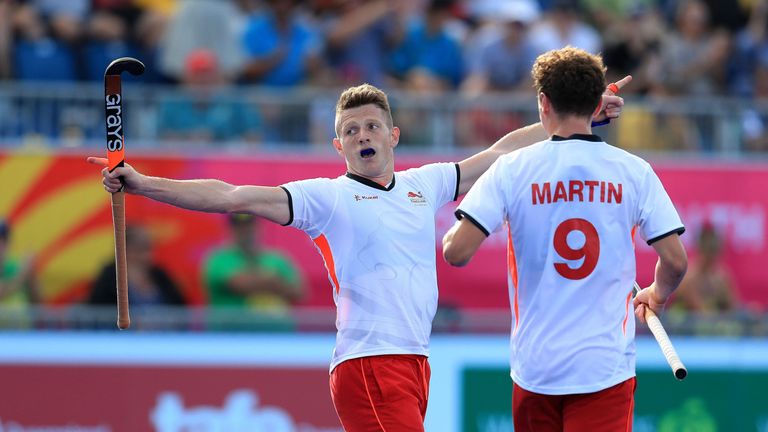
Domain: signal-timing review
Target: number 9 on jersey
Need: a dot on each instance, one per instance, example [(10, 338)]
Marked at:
[(590, 251)]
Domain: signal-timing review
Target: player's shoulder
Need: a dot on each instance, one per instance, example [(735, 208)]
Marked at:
[(316, 184), (533, 151), (325, 180), (431, 166), (626, 156), (426, 170)]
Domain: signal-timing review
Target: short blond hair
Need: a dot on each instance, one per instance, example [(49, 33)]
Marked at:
[(364, 94), (572, 79)]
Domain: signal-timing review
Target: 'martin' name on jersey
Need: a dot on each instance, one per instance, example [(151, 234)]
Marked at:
[(576, 190)]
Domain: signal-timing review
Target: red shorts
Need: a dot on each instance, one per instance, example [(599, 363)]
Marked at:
[(381, 393), (609, 410)]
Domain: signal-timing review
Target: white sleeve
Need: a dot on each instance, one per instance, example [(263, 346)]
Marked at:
[(485, 203), (441, 181), (311, 204), (657, 217)]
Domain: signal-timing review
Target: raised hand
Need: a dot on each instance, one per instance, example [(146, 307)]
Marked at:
[(612, 103), (122, 178)]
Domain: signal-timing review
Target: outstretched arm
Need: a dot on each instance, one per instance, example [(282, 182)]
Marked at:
[(205, 195), (474, 166)]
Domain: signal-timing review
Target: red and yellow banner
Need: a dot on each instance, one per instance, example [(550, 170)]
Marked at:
[(60, 214)]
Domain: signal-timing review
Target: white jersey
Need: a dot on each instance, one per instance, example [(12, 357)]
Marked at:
[(378, 244), (571, 207)]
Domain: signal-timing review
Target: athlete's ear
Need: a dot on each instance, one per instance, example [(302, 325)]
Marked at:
[(543, 102), (395, 136), (337, 146)]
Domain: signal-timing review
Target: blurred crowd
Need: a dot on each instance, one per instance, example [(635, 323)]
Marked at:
[(672, 47), (251, 287), (247, 286), (691, 48)]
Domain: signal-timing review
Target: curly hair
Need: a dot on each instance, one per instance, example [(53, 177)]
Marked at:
[(573, 79), (364, 94)]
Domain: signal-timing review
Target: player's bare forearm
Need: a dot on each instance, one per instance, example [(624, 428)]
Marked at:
[(215, 196), (671, 266), (518, 139), (474, 166), (212, 196), (207, 195), (670, 269), (461, 242), (668, 277)]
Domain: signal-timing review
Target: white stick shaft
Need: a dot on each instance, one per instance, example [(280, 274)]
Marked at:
[(663, 339)]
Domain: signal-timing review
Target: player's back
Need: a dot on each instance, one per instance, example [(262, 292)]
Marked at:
[(571, 207)]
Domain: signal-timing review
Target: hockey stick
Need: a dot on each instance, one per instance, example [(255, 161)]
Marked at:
[(116, 158), (663, 339)]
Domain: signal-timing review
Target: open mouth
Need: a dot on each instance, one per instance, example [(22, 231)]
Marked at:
[(367, 153)]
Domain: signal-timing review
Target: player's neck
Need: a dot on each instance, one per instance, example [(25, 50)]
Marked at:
[(571, 126), (383, 179)]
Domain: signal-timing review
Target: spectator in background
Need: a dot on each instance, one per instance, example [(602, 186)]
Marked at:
[(632, 45), (281, 49), (729, 16), (692, 63), (244, 274), (35, 50), (564, 26), (65, 18), (360, 35), (213, 25), (693, 56), (118, 28), (708, 286), (504, 64), (750, 48), (148, 283), (429, 59), (18, 285), (748, 73), (6, 37), (484, 28), (149, 30), (107, 40), (754, 124), (204, 112)]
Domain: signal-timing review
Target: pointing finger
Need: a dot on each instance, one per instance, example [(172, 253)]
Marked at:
[(615, 87), (97, 160), (624, 81)]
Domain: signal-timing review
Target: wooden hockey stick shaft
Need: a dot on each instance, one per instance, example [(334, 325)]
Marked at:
[(118, 220)]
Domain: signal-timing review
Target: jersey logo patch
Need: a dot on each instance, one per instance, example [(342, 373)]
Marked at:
[(366, 197), (417, 198)]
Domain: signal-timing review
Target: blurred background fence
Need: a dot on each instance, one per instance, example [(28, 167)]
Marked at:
[(53, 115)]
